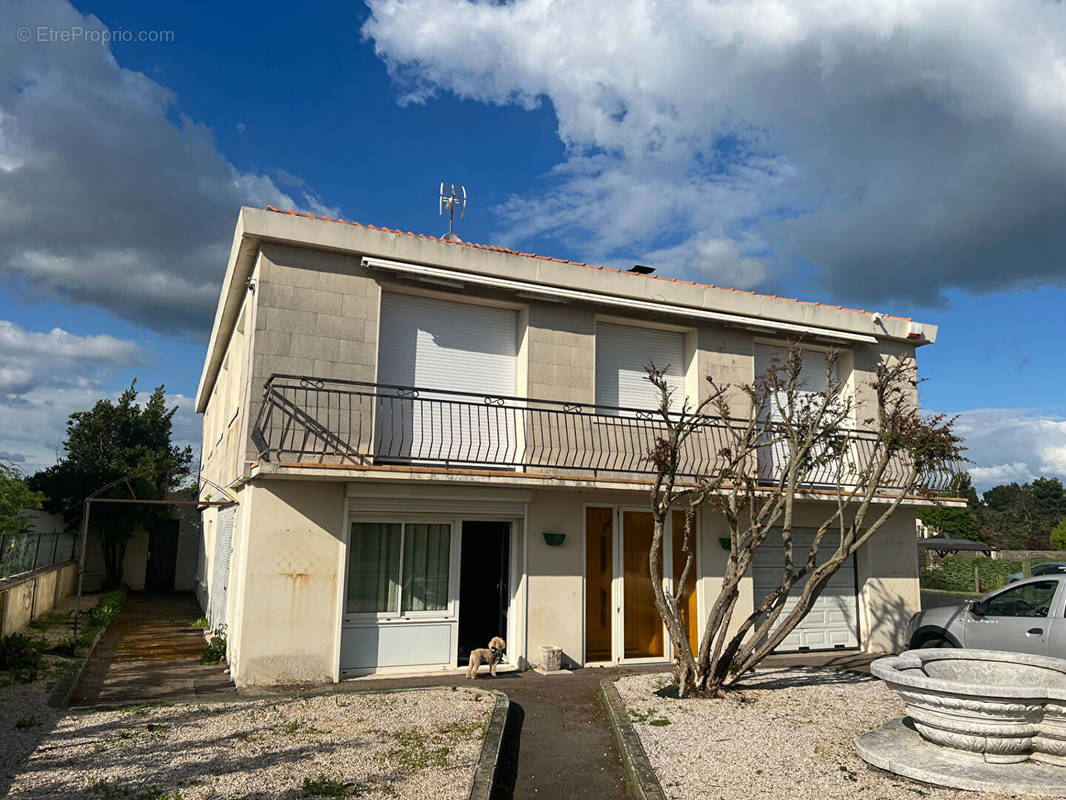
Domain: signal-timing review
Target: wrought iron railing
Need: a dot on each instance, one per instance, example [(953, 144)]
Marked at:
[(304, 419)]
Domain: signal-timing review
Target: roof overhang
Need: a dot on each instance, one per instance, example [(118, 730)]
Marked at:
[(528, 276), (556, 293)]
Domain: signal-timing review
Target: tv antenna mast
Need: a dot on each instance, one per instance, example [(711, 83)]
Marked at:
[(452, 195)]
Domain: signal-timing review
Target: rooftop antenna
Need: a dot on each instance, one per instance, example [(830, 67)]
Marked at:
[(452, 195)]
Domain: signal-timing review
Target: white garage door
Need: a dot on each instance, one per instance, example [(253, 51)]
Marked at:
[(447, 346), (833, 622)]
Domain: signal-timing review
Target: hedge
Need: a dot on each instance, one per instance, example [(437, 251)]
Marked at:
[(955, 573)]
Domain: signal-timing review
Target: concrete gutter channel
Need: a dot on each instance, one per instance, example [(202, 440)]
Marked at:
[(640, 777)]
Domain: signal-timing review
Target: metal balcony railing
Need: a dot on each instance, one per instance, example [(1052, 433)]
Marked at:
[(318, 420)]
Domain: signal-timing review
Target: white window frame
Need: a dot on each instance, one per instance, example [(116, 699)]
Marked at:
[(450, 613)]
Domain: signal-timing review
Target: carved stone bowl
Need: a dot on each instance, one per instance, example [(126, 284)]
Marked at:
[(999, 707)]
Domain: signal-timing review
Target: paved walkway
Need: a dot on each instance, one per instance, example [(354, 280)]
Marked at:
[(151, 653)]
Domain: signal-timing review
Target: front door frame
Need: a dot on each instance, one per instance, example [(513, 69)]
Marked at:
[(618, 582)]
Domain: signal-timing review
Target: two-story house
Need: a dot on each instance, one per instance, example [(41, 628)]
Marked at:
[(432, 443)]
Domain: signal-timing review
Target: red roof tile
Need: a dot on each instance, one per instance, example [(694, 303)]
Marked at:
[(496, 249)]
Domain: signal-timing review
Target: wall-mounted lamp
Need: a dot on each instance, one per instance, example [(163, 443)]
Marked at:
[(554, 539)]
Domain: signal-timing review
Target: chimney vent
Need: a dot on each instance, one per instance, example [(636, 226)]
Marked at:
[(641, 269)]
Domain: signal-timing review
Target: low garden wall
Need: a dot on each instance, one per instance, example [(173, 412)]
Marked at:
[(25, 597)]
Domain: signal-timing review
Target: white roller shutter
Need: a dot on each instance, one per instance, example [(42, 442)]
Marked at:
[(220, 567), (441, 344), (446, 346), (623, 352), (833, 621), (812, 382)]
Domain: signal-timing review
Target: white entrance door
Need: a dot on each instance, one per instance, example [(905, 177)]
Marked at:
[(833, 622), (444, 346)]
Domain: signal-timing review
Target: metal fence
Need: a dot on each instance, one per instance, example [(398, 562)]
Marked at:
[(29, 551), (349, 422)]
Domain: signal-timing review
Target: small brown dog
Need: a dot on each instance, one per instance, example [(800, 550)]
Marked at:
[(490, 655)]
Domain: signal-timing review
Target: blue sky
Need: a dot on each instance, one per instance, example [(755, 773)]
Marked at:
[(881, 160)]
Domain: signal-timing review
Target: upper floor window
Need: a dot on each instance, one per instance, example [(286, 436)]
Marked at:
[(623, 353)]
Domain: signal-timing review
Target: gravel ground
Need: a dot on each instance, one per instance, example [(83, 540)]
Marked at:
[(421, 744), (788, 733), (25, 716)]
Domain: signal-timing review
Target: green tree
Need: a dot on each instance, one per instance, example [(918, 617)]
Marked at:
[(15, 497), (105, 444), (1024, 514), (964, 522), (1058, 535)]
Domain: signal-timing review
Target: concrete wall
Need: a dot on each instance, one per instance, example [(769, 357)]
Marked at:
[(288, 583), (29, 596), (887, 572)]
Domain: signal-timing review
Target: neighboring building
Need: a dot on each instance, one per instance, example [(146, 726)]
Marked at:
[(432, 443), (161, 560)]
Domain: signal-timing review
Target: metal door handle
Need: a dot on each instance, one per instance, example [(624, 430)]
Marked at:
[(1034, 632)]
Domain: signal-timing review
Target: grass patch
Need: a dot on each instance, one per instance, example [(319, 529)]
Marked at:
[(114, 790), (328, 787), (649, 717), (49, 621), (21, 658), (416, 750)]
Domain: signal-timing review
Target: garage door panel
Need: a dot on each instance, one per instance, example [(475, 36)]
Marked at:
[(833, 620)]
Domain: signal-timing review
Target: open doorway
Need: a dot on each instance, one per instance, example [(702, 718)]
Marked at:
[(484, 590)]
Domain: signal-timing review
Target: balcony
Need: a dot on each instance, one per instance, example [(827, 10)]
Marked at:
[(305, 421)]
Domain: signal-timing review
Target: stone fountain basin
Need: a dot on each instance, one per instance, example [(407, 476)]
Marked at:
[(995, 706)]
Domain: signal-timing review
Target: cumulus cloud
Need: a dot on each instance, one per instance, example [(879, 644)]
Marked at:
[(34, 359), (32, 430), (108, 195), (47, 375), (915, 139), (1008, 445)]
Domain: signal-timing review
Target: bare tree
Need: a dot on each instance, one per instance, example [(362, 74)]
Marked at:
[(791, 444)]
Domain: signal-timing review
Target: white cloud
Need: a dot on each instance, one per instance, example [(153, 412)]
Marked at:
[(109, 196), (32, 430), (33, 359), (1013, 445), (905, 138)]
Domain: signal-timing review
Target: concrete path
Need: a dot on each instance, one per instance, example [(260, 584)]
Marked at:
[(151, 653)]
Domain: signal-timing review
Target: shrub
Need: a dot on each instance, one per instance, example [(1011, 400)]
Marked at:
[(955, 574), (19, 656), (216, 648), (1058, 535), (327, 787), (107, 607)]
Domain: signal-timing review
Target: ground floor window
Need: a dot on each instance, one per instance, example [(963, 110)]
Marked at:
[(397, 567)]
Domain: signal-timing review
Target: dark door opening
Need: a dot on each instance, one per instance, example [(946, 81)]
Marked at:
[(162, 557), (484, 590)]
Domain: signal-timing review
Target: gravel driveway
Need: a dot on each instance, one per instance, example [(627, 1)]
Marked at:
[(788, 734), (384, 745)]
